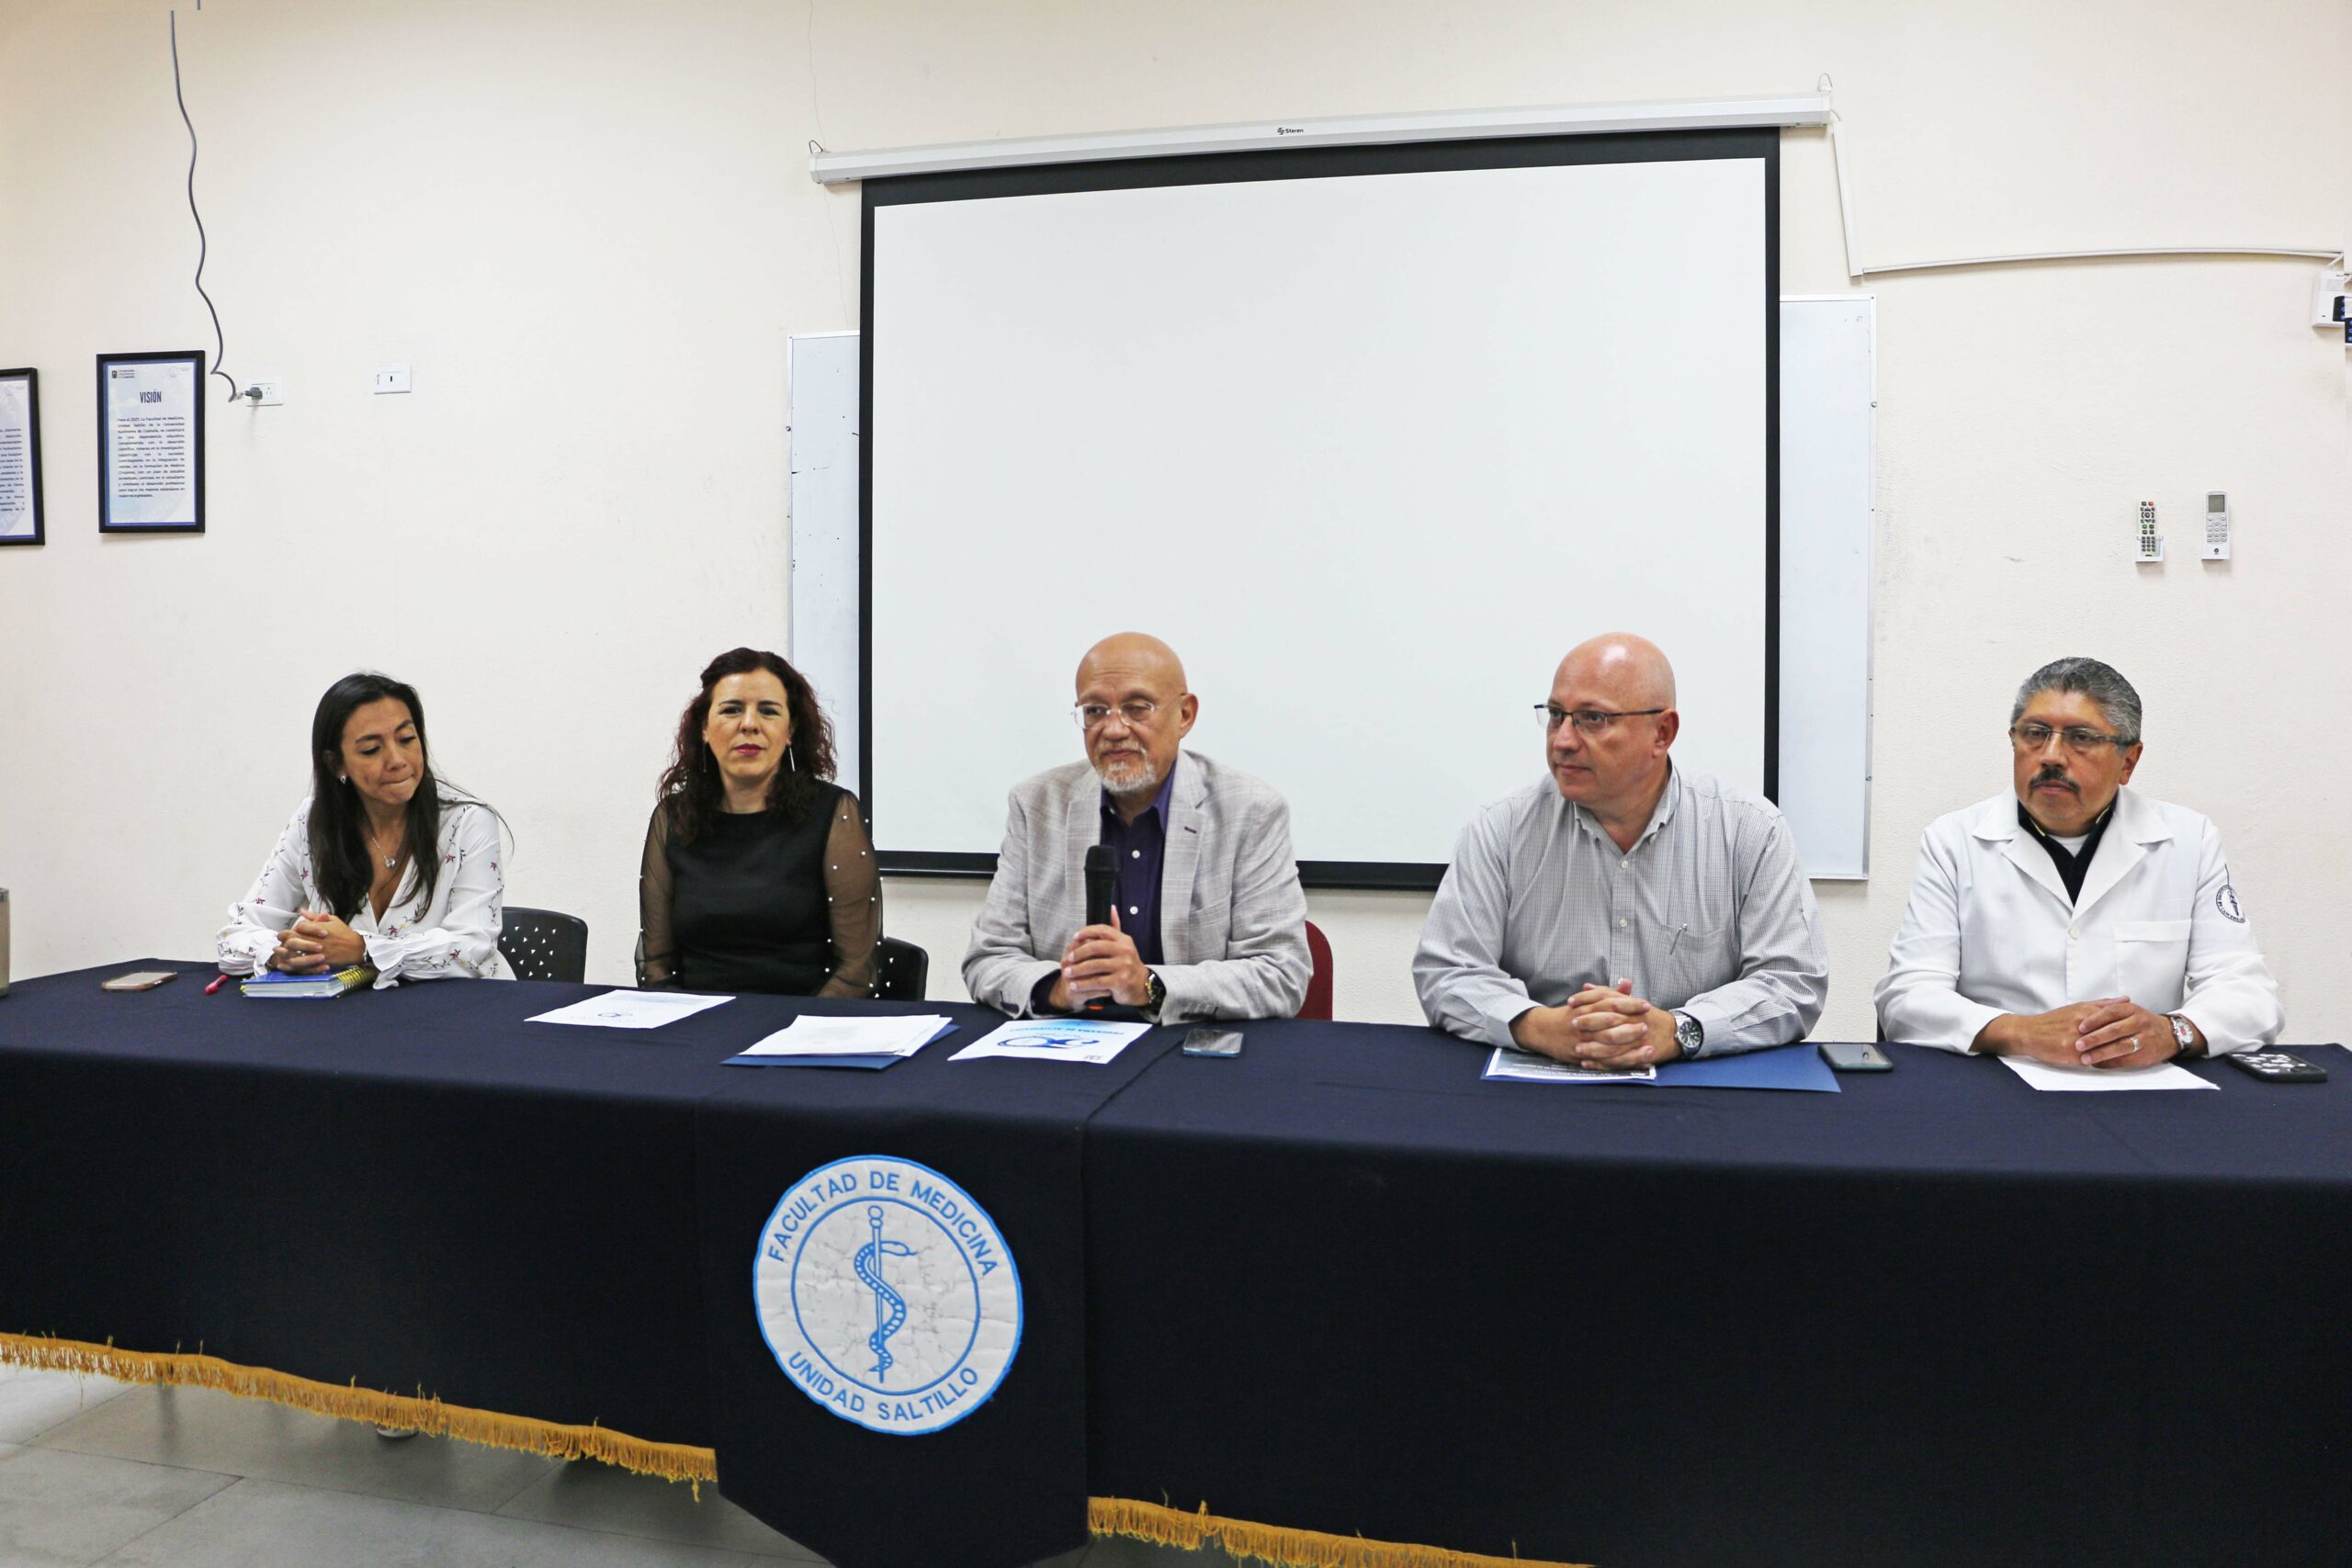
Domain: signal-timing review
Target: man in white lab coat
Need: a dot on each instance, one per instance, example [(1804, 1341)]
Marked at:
[(2074, 920)]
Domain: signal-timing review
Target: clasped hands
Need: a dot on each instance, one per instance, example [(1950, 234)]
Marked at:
[(1101, 961), (2113, 1032), (1610, 1030), (316, 944)]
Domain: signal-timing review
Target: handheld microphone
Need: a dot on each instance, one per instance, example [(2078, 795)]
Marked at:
[(1102, 881)]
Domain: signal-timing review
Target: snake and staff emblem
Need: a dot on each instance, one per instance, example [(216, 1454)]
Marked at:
[(889, 1307), (908, 1347)]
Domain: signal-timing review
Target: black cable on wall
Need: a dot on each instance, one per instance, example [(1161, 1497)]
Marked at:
[(219, 342)]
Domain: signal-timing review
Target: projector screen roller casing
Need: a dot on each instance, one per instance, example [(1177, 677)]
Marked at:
[(1371, 447)]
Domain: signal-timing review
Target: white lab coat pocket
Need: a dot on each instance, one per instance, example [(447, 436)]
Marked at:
[(2152, 957)]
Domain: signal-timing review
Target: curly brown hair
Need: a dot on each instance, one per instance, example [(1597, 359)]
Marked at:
[(691, 785)]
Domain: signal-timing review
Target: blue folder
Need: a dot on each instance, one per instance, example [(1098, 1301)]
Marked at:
[(1781, 1066)]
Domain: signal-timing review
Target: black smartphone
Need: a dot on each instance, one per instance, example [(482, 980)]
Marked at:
[(1212, 1043), (1843, 1058), (2277, 1066)]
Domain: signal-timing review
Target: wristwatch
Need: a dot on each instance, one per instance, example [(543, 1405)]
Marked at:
[(1689, 1035), (2184, 1034), (1154, 993)]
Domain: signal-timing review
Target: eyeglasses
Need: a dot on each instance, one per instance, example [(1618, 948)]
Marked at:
[(1588, 721), (1135, 715), (2078, 738)]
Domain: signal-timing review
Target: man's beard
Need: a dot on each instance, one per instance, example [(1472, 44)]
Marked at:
[(1128, 774)]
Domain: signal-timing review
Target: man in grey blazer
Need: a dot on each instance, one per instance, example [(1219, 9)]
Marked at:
[(1209, 922)]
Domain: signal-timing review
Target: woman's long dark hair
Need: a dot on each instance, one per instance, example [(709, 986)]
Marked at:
[(339, 854), (692, 787)]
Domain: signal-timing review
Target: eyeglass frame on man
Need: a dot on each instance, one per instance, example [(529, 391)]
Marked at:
[(2080, 740), (1592, 723), (1124, 710)]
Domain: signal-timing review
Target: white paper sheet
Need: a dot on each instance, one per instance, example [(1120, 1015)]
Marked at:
[(1056, 1040), (812, 1036), (2094, 1080), (1507, 1063), (631, 1009)]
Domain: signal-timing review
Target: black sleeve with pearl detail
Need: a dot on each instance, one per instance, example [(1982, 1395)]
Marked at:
[(853, 895)]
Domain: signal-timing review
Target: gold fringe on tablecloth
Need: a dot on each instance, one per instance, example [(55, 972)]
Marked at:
[(680, 1461), (1299, 1549), (672, 1461)]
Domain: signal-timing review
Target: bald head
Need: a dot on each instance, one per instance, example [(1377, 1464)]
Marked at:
[(1630, 671), (1132, 658), (1134, 685)]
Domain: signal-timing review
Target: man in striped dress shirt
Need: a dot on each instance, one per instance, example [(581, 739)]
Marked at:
[(1620, 912)]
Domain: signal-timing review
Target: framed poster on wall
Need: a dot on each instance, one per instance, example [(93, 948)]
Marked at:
[(150, 443), (20, 502)]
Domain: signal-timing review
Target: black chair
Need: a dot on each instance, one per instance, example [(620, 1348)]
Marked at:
[(901, 971), (539, 944)]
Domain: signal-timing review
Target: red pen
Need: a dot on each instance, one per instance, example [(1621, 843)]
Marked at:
[(216, 984)]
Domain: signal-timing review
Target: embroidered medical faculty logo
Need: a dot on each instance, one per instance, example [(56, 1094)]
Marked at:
[(2225, 898), (887, 1294)]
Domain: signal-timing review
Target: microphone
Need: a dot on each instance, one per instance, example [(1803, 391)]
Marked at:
[(1102, 881)]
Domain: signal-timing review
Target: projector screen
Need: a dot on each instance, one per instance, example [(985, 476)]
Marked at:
[(1371, 436)]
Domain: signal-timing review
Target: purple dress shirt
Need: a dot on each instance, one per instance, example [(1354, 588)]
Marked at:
[(1140, 847)]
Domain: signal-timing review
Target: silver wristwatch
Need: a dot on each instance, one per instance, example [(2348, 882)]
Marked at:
[(2184, 1034), (1688, 1034)]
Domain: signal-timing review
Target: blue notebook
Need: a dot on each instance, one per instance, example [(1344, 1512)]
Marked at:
[(278, 983)]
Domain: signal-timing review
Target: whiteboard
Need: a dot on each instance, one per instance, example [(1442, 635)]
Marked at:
[(1829, 519), (1371, 449), (1828, 468), (822, 400)]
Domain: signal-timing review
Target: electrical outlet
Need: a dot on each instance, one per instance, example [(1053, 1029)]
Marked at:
[(272, 392), (392, 379)]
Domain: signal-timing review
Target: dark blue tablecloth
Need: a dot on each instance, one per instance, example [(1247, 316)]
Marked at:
[(1005, 1485), (418, 1189), (1340, 1284), (1343, 1284)]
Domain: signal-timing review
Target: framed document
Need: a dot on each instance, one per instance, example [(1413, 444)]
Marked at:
[(150, 443), (20, 513)]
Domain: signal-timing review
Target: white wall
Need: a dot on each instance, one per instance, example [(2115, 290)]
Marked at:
[(589, 228)]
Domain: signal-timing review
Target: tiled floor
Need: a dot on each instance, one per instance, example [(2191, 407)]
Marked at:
[(93, 1471)]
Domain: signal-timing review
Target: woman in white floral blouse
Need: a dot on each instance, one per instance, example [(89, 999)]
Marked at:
[(384, 865)]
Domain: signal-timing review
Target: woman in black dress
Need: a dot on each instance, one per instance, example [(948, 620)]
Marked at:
[(757, 874)]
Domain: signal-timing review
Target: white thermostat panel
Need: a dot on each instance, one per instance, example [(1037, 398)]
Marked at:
[(2217, 525)]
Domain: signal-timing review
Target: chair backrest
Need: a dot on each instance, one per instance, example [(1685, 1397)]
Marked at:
[(1318, 986), (539, 944), (902, 970)]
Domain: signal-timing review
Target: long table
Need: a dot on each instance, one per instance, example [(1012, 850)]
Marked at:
[(1340, 1284)]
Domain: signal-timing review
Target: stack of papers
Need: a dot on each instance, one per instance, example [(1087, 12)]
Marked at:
[(630, 1010), (1056, 1040), (1507, 1063), (870, 1042)]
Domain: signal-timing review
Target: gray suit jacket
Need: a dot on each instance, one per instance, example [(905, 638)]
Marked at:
[(1232, 917)]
